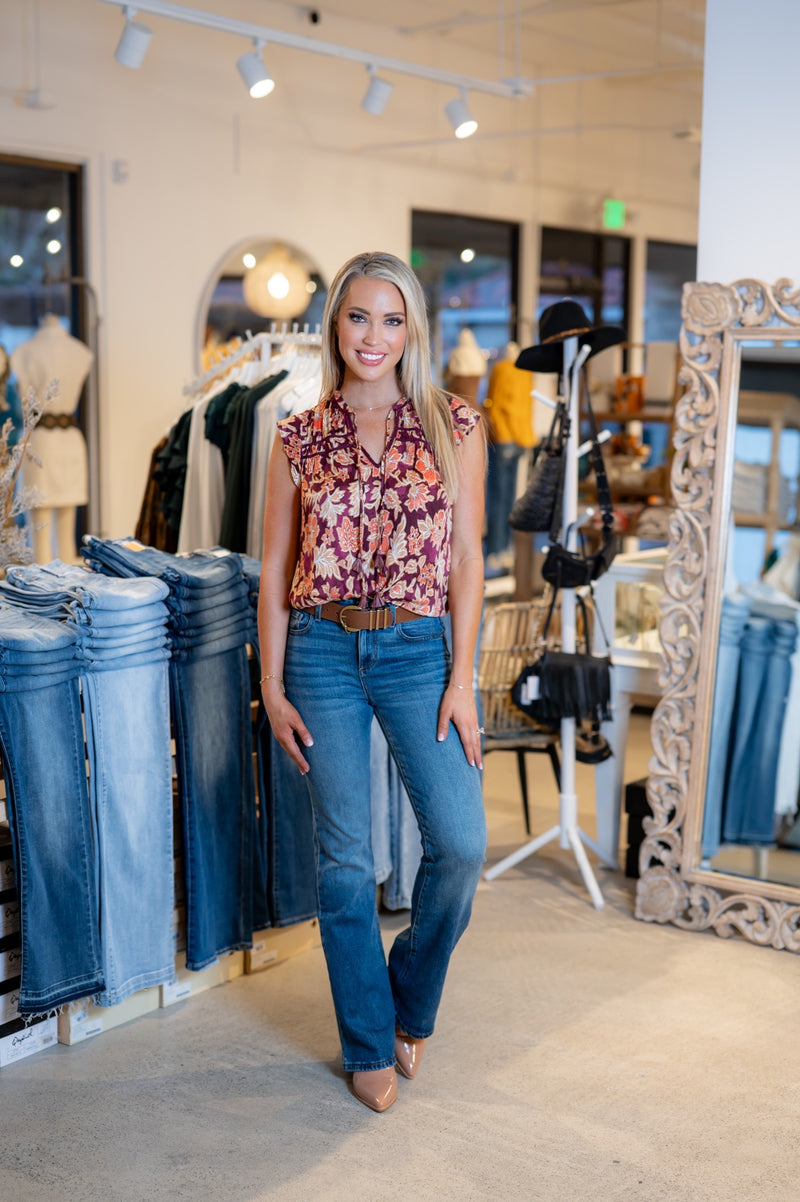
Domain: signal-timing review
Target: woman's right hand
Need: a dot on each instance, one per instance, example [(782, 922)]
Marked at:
[(286, 723)]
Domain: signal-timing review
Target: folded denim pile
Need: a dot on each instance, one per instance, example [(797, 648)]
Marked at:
[(94, 857), (252, 574), (210, 624), (208, 597)]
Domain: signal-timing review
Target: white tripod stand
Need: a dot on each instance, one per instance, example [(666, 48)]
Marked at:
[(568, 833)]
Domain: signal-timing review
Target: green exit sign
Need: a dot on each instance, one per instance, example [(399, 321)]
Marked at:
[(613, 214)]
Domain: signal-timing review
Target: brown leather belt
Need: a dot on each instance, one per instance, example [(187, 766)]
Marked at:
[(57, 421), (352, 618)]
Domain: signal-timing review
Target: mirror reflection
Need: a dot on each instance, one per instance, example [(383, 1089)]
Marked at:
[(260, 282), (751, 815)]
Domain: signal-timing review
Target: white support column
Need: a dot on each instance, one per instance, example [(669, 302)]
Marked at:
[(749, 166)]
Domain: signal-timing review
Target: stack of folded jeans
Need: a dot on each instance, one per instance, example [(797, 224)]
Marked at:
[(120, 886), (47, 800), (251, 569), (210, 623), (284, 890)]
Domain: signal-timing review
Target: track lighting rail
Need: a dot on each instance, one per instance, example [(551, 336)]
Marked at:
[(506, 89)]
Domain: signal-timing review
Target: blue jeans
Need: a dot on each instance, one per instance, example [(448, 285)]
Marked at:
[(338, 681), (735, 612), (764, 679), (41, 741), (210, 703), (501, 489), (210, 699), (126, 710), (126, 715)]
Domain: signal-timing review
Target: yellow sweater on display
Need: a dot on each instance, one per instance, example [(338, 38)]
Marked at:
[(508, 404)]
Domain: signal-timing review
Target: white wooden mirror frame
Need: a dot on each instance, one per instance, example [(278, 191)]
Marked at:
[(673, 887)]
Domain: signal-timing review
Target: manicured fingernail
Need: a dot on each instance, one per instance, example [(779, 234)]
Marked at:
[(309, 742), (440, 738)]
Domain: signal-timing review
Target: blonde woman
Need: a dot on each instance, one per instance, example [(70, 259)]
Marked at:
[(372, 534)]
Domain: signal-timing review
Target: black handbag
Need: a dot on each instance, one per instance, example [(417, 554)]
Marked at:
[(566, 684), (574, 569), (534, 510)]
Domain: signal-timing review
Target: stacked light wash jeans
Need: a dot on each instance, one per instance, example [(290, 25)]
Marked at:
[(111, 898), (210, 624)]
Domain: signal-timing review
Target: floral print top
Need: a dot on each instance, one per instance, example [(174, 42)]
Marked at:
[(377, 533)]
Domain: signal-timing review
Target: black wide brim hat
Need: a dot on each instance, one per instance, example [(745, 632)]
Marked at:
[(566, 319)]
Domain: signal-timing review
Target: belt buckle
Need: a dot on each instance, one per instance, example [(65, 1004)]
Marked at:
[(342, 621)]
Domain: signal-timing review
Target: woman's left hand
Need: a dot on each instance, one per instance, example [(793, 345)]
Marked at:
[(458, 706)]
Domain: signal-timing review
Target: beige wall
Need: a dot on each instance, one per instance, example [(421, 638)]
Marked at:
[(207, 167)]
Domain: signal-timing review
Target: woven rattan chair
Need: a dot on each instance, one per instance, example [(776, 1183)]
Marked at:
[(509, 635)]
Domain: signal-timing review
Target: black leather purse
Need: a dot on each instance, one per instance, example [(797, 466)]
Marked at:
[(535, 509), (574, 569), (565, 684)]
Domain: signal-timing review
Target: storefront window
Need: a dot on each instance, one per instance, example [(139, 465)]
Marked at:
[(39, 247), (669, 266), (593, 269), (468, 269)]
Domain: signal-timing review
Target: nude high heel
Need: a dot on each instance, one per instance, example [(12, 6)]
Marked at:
[(408, 1053), (377, 1089)]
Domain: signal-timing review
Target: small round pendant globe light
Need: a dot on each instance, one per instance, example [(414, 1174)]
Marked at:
[(459, 116), (257, 78), (277, 285), (133, 42), (377, 94)]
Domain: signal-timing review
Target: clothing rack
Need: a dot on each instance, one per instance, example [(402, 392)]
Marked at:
[(567, 831), (269, 339)]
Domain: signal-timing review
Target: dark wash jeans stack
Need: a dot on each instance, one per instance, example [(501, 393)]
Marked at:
[(210, 624), (284, 890), (94, 864)]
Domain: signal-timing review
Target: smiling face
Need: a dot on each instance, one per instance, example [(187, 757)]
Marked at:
[(371, 330)]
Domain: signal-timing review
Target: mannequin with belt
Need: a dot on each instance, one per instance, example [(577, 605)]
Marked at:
[(61, 476)]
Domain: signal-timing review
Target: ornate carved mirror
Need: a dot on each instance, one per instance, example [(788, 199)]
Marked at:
[(722, 850)]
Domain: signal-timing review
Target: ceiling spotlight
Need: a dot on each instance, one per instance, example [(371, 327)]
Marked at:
[(249, 260), (16, 260), (52, 215), (467, 254), (377, 94), (257, 78), (132, 45), (459, 116), (53, 246)]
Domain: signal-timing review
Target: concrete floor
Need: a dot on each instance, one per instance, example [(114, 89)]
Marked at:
[(580, 1055)]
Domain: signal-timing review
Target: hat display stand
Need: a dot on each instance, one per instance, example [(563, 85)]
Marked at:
[(569, 834)]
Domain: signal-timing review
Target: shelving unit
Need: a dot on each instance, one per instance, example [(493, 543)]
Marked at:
[(776, 411)]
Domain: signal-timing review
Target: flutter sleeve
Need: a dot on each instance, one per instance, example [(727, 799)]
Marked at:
[(290, 431), (465, 418)]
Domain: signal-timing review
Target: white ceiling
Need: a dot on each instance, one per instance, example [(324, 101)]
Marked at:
[(615, 107)]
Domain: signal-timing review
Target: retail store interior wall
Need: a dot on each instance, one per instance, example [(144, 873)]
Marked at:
[(181, 165)]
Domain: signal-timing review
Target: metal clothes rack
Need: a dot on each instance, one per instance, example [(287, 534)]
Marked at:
[(268, 340), (567, 831)]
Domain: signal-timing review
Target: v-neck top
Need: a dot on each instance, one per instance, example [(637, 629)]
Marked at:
[(376, 533)]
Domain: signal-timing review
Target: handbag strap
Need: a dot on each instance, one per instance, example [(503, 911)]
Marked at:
[(597, 462)]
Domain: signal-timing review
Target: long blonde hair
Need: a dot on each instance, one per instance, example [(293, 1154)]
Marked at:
[(413, 371)]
